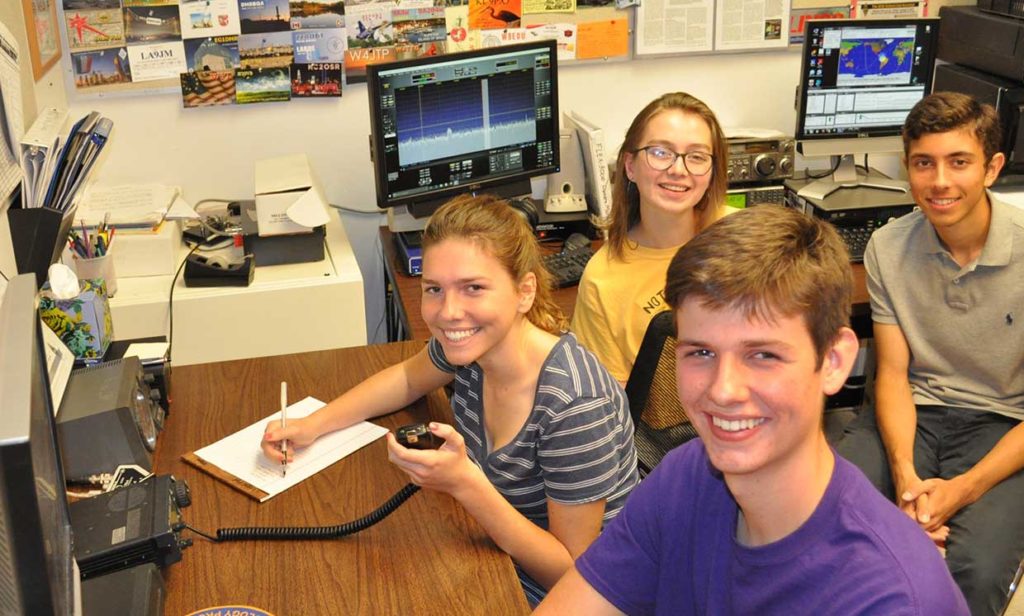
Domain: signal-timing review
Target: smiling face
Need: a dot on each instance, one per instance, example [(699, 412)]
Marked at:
[(948, 175), (674, 190), (754, 389), (470, 302)]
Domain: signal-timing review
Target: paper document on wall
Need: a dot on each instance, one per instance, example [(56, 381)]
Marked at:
[(750, 24), (240, 455), (11, 120), (674, 26)]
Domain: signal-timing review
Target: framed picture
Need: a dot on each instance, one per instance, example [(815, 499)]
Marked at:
[(43, 35)]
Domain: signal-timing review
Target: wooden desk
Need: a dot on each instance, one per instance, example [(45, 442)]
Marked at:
[(428, 557), (403, 298)]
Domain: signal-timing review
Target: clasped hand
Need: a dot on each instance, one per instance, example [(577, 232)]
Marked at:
[(932, 502), (444, 469)]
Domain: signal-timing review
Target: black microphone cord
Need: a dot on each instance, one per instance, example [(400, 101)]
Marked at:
[(285, 533)]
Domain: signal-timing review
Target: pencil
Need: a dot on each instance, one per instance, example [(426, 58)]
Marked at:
[(284, 424)]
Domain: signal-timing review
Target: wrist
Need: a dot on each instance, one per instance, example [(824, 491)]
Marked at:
[(468, 483), (903, 472), (972, 487)]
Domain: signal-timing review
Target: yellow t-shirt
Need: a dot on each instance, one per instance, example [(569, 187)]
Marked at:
[(616, 302)]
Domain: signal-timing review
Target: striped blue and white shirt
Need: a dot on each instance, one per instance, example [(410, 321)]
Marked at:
[(575, 447)]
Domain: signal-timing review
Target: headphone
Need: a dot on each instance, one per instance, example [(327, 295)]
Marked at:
[(525, 207)]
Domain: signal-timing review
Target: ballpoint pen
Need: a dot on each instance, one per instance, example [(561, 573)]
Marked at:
[(284, 424)]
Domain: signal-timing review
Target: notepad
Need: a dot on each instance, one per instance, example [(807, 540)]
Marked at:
[(238, 460)]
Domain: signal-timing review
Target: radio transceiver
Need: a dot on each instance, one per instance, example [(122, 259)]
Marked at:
[(109, 416), (749, 196), (756, 159)]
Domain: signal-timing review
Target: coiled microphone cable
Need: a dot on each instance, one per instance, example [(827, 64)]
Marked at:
[(287, 533)]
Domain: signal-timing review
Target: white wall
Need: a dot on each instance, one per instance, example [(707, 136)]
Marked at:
[(210, 152)]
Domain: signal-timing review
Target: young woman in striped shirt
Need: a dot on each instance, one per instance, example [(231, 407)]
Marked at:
[(541, 453)]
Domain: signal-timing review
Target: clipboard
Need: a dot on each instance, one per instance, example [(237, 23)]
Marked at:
[(238, 461), (235, 482)]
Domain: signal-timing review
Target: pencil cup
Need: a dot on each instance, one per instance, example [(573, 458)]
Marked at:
[(98, 267)]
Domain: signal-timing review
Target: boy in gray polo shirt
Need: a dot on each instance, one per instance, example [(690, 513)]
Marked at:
[(947, 301)]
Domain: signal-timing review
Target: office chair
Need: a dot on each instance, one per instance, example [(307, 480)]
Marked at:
[(659, 422)]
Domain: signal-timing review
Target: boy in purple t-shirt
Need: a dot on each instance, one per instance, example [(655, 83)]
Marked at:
[(759, 516)]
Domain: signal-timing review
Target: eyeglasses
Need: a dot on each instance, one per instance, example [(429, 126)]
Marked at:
[(660, 159)]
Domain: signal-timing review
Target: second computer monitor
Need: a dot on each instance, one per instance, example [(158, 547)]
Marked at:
[(484, 120), (858, 81)]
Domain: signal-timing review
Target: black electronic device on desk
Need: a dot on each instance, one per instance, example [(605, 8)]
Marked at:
[(109, 416), (131, 525), (854, 212), (410, 251), (156, 372), (567, 266), (138, 591)]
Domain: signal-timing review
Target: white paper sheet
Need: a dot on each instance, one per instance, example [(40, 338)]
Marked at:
[(147, 352), (240, 453), (128, 205)]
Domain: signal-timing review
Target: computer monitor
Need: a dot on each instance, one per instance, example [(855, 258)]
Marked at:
[(38, 574), (478, 121), (859, 78)]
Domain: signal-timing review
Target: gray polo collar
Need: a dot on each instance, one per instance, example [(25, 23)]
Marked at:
[(998, 245)]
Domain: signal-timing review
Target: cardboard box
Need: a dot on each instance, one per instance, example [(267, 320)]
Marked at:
[(83, 322), (288, 197)]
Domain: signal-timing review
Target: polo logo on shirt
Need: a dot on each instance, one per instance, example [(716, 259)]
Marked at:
[(1009, 318), (656, 303)]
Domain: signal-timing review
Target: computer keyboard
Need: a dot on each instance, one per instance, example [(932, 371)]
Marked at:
[(856, 239), (567, 266)]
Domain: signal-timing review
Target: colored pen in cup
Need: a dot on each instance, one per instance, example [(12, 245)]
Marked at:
[(284, 424)]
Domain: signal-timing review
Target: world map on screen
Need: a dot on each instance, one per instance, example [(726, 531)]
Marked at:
[(875, 57)]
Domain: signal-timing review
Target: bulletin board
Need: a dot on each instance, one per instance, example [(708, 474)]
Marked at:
[(227, 52)]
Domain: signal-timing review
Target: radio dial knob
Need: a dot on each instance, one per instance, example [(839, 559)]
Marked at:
[(786, 165), (764, 165)]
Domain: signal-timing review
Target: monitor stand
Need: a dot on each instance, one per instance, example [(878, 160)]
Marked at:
[(413, 217), (847, 175)]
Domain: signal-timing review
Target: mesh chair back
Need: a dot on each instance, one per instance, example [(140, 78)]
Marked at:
[(659, 422)]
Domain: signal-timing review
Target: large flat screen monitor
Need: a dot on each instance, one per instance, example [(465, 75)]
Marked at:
[(858, 81), (479, 121), (37, 568)]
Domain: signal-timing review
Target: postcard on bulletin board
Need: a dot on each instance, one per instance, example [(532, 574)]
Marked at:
[(602, 39)]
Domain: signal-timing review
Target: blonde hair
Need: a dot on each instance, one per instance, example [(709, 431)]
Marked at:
[(625, 211), (495, 227)]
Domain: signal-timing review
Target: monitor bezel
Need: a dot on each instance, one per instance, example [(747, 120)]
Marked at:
[(373, 88), (25, 399)]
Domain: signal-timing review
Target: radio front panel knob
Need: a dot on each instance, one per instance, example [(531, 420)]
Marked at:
[(786, 166), (764, 165)]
